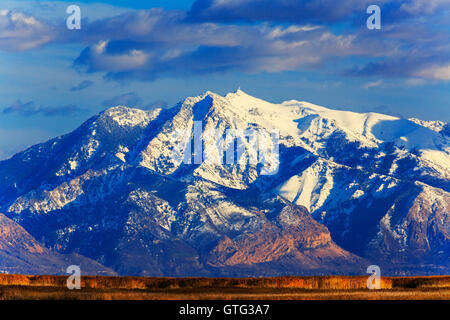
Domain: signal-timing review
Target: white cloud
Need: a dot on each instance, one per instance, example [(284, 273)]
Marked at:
[(417, 7), (148, 44), (129, 60), (373, 84), (159, 41), (415, 82), (19, 31), (436, 72)]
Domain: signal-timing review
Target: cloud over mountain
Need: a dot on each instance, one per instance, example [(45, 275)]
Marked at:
[(29, 109), (126, 99), (157, 43)]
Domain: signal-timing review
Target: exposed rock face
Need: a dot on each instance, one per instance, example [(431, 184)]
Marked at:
[(419, 237), (15, 237), (350, 190), (21, 253), (288, 235)]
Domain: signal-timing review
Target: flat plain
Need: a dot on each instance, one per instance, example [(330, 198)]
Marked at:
[(23, 287)]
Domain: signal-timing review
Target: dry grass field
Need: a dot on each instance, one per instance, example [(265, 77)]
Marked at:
[(14, 287)]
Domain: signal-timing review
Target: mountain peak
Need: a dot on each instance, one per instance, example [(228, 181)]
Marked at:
[(238, 93), (136, 178), (127, 116), (238, 99)]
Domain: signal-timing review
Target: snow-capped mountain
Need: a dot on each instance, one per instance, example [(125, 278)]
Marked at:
[(345, 190)]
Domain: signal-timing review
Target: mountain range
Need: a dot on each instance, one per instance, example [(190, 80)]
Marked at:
[(349, 190)]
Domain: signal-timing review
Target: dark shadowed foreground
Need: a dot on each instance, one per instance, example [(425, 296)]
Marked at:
[(281, 288)]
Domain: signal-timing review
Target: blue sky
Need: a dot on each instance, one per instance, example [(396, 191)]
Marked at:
[(155, 53)]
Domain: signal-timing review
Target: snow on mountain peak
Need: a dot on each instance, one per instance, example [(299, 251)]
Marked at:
[(371, 128), (304, 123), (316, 129), (125, 116), (117, 174)]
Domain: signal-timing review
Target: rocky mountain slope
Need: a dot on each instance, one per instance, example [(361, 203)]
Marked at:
[(347, 190), (21, 253)]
